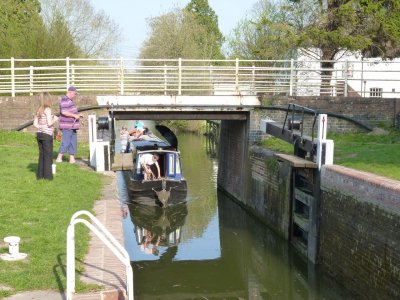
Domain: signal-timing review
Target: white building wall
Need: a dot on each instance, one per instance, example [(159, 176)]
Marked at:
[(371, 77)]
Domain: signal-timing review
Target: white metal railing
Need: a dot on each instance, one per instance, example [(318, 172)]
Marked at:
[(106, 237), (119, 76)]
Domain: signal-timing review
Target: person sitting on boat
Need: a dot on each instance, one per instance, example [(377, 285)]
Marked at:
[(139, 129), (146, 161), (124, 136)]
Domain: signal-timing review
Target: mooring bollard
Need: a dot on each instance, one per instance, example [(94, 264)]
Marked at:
[(13, 244), (13, 249)]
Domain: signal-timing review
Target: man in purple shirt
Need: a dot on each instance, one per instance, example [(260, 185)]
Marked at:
[(69, 124)]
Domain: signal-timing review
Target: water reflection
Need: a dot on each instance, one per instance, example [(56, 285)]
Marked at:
[(155, 227), (253, 262)]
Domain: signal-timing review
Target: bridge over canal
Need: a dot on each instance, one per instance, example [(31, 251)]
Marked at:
[(281, 190)]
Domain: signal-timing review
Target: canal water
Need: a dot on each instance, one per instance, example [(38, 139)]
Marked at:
[(210, 248)]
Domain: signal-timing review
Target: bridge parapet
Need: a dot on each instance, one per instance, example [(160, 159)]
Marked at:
[(218, 102), (118, 76), (179, 107)]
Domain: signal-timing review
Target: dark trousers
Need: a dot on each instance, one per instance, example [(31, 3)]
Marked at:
[(45, 143)]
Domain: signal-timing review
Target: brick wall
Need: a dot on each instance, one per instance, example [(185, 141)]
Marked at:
[(233, 157), (334, 124), (371, 111), (269, 197), (15, 111), (360, 231)]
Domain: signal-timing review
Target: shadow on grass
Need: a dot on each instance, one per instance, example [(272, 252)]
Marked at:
[(33, 167), (60, 272)]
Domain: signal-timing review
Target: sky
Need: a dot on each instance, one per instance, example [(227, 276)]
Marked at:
[(132, 15)]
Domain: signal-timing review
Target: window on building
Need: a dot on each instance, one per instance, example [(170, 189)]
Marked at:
[(375, 92)]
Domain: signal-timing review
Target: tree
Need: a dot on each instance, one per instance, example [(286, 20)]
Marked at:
[(369, 27), (52, 28), (268, 33), (177, 34), (207, 17), (60, 42), (20, 23), (327, 29), (76, 21)]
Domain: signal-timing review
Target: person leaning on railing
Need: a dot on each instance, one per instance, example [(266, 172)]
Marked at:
[(69, 124)]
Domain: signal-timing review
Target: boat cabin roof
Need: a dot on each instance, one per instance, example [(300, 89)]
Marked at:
[(150, 142)]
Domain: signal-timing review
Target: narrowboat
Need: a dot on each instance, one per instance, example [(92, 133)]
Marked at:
[(165, 188)]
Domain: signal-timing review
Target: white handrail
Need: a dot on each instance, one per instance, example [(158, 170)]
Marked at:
[(107, 238), (199, 77)]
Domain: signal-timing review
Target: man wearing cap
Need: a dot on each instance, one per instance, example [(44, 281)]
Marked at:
[(69, 124)]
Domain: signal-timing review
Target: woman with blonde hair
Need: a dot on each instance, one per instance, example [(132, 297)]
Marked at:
[(44, 121)]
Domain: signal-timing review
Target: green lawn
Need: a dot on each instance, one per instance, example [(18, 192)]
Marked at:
[(378, 154), (39, 213)]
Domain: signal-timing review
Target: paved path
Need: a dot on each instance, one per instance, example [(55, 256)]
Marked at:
[(101, 265)]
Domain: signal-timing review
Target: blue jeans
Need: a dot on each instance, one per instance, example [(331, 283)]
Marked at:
[(68, 142)]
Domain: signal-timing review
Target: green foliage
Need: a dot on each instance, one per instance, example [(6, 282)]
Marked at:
[(174, 35), (270, 31), (20, 24), (190, 33), (48, 29), (382, 25), (77, 24), (24, 34), (58, 36), (354, 25), (325, 29), (207, 18), (178, 126), (39, 212)]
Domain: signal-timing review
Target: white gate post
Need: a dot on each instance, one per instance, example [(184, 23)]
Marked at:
[(70, 260), (12, 77), (291, 79), (67, 72), (180, 76), (92, 139), (30, 80), (237, 91), (122, 76), (324, 147)]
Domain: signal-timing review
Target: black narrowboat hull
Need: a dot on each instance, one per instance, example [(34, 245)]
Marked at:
[(144, 191)]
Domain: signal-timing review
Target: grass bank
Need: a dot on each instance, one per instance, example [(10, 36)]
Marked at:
[(374, 153), (39, 213)]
